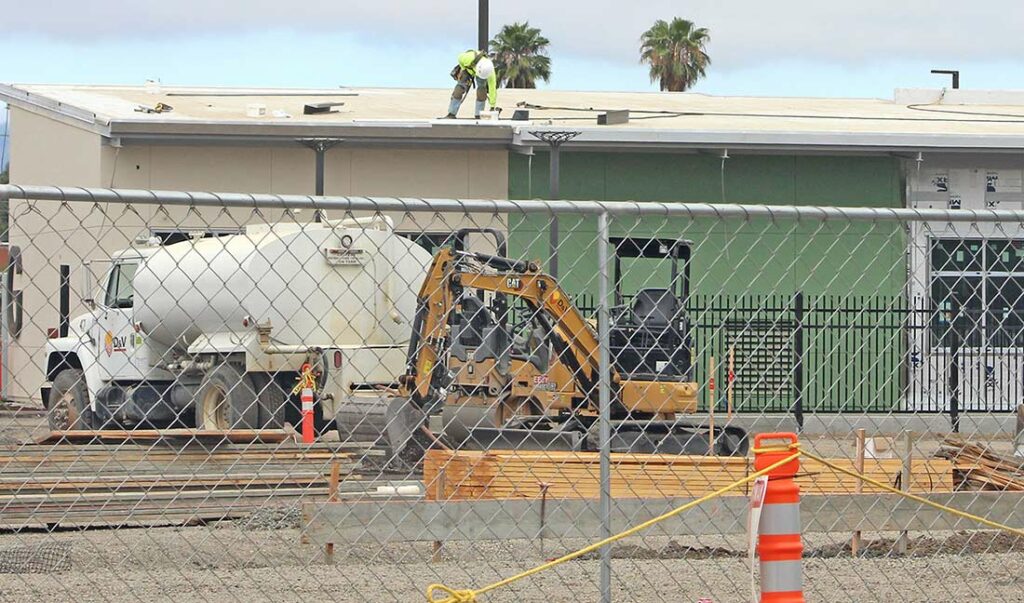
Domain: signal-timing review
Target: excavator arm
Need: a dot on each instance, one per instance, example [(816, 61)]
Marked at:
[(574, 339), (433, 307)]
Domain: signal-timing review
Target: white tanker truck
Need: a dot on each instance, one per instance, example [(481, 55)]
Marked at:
[(214, 332)]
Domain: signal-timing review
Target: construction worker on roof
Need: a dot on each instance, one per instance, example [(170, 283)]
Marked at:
[(474, 69)]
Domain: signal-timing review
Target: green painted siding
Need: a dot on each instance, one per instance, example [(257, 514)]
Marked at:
[(755, 256), (746, 259)]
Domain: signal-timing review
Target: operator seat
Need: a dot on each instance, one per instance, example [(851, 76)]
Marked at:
[(651, 342), (470, 326), (655, 308)]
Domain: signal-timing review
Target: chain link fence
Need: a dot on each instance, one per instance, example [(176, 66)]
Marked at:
[(254, 397)]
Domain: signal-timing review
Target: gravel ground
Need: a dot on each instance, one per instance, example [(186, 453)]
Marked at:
[(261, 559), (237, 562)]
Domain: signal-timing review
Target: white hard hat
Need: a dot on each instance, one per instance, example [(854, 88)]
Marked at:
[(484, 68)]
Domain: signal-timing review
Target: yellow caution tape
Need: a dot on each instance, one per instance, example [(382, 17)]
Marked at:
[(451, 595), (306, 380)]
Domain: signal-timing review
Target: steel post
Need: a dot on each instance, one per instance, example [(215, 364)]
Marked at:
[(5, 336), (319, 146), (604, 399), (553, 193), (483, 24)]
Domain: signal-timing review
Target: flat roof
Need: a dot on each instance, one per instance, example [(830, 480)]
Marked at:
[(952, 120)]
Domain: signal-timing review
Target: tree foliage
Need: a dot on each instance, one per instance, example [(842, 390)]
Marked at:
[(676, 52), (520, 56)]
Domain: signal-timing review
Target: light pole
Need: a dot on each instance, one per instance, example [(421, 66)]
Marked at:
[(555, 139), (483, 18)]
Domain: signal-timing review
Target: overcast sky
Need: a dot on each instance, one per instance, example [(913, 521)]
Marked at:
[(785, 47)]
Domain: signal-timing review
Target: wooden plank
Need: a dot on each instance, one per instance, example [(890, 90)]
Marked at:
[(411, 521), (472, 475), (146, 484), (205, 435)]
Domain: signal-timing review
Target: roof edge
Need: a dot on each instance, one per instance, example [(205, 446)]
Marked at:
[(47, 107)]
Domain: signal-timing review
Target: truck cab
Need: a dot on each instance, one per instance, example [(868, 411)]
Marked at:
[(102, 346)]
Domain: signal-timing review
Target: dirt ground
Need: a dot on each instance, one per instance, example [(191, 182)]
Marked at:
[(262, 559), (234, 562)]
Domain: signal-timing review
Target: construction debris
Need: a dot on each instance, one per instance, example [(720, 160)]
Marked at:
[(978, 467)]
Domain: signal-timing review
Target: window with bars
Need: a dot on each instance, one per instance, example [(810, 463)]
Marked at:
[(977, 288)]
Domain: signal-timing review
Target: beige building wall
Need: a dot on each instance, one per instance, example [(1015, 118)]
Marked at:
[(44, 151)]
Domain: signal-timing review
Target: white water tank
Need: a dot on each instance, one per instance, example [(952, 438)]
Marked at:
[(333, 283)]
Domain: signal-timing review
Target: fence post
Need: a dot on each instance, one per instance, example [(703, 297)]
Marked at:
[(604, 398), (954, 382), (1018, 434), (798, 359)]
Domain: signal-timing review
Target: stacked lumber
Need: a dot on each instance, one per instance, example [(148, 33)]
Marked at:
[(511, 474), (476, 475), (978, 467), (49, 485), (205, 436)]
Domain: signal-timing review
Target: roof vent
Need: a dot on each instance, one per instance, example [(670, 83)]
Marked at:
[(316, 108), (612, 118)]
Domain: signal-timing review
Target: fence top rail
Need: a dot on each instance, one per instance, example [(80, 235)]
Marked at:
[(412, 204)]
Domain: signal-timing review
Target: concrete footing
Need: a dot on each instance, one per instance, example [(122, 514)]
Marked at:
[(878, 424)]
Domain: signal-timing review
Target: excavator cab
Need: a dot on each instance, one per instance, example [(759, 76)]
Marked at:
[(650, 333)]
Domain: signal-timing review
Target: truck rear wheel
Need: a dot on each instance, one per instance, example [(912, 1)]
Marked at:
[(69, 402), (227, 400)]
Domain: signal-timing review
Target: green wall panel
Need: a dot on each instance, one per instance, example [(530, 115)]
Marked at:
[(734, 256), (850, 365)]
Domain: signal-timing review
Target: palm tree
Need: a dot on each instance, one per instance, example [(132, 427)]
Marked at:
[(520, 56), (676, 52)]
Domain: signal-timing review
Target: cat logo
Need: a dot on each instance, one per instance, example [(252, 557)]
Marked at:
[(514, 282)]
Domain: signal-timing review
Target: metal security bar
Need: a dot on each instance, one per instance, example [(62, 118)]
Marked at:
[(221, 396)]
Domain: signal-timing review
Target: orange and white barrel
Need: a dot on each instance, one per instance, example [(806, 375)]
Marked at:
[(779, 546)]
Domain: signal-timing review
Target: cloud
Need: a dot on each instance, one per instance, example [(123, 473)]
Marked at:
[(745, 33)]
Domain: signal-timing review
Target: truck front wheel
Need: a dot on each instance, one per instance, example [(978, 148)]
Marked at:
[(69, 402), (227, 400)]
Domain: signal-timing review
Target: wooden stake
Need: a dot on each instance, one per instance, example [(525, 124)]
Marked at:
[(332, 496), (439, 495), (732, 377), (905, 474), (711, 405), (858, 466), (543, 513), (1018, 438)]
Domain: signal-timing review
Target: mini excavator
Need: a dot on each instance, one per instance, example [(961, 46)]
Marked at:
[(504, 358)]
